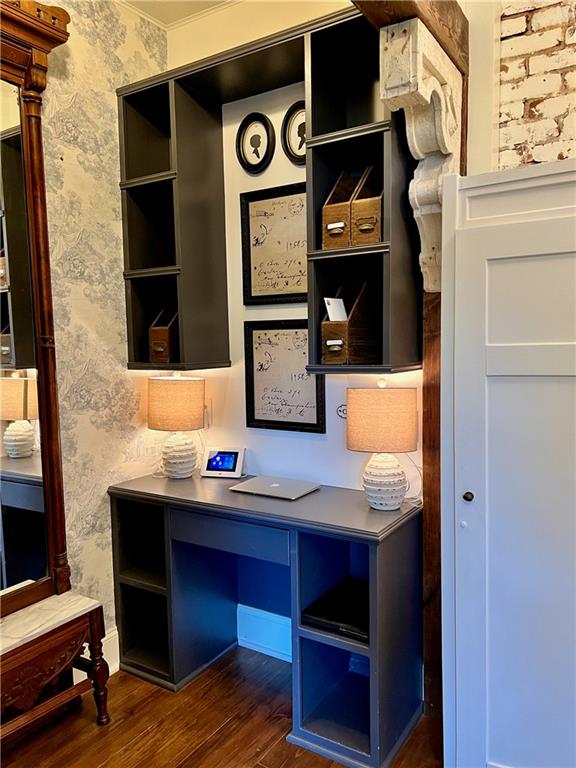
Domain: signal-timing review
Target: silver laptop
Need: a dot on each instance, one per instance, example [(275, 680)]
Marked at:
[(277, 487)]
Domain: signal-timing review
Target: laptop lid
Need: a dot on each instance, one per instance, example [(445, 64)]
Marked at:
[(277, 487)]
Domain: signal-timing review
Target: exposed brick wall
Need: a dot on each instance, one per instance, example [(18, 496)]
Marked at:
[(537, 81)]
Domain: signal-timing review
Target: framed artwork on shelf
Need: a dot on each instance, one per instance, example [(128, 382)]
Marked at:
[(293, 133), (280, 393), (274, 264), (255, 143)]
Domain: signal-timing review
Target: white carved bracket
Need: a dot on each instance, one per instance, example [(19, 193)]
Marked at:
[(418, 77)]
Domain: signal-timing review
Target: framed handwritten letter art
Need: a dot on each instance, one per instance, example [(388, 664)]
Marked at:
[(274, 245), (280, 394)]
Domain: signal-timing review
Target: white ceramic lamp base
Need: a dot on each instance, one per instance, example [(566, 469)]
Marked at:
[(384, 481), (19, 439), (179, 456)]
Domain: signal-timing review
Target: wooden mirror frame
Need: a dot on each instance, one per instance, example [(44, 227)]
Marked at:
[(29, 32)]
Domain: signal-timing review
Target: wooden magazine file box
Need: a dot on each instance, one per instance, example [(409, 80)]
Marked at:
[(366, 210), (336, 212), (163, 337), (352, 341), (352, 214)]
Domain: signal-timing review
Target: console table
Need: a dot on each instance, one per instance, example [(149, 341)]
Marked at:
[(39, 647), (180, 550)]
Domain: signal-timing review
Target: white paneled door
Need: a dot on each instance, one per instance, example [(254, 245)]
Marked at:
[(509, 468)]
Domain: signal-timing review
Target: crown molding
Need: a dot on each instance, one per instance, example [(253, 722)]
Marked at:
[(141, 14), (225, 5)]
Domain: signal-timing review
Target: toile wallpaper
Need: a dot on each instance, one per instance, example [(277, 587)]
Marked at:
[(104, 438)]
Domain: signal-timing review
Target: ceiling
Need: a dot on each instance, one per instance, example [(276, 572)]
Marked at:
[(168, 12)]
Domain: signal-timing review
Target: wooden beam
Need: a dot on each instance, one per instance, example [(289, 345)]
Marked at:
[(432, 628), (444, 18)]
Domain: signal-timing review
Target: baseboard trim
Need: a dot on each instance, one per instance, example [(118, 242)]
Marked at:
[(265, 632), (110, 651), (498, 765)]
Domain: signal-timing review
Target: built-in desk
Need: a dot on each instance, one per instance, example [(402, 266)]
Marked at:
[(182, 549)]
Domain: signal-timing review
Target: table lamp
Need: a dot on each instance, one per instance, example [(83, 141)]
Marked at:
[(176, 404), (382, 421), (18, 404)]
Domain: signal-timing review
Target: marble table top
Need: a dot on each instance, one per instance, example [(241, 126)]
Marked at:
[(29, 623)]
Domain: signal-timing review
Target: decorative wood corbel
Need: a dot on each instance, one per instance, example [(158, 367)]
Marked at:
[(417, 76)]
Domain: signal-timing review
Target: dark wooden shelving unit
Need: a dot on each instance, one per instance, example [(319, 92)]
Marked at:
[(173, 196), (173, 215), (349, 129)]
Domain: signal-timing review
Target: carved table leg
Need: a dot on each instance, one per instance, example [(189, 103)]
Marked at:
[(98, 670)]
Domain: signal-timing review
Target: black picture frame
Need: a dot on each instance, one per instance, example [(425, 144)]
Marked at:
[(252, 387), (289, 151), (266, 159), (281, 297)]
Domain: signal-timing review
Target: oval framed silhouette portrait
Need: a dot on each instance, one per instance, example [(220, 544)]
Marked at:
[(255, 142), (294, 133)]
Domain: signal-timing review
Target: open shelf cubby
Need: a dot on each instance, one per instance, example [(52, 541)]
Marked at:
[(140, 547), (346, 277), (146, 297), (334, 594), (149, 225), (147, 131), (144, 638), (328, 161), (345, 77), (336, 695)]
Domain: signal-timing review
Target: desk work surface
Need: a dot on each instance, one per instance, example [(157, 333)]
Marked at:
[(341, 510), (27, 470)]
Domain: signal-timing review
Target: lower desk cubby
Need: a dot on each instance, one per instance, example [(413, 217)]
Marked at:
[(335, 697), (334, 587), (144, 631), (138, 532)]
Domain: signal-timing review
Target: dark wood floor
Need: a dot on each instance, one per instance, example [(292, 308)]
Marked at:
[(234, 715)]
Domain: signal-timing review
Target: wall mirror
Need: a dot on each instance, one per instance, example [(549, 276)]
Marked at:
[(23, 532), (33, 563)]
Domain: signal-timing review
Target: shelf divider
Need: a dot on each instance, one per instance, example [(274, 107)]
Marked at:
[(347, 133), (353, 250), (150, 179), (131, 274), (147, 581), (336, 641)]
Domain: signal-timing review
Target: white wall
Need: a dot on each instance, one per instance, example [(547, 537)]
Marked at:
[(241, 22), (484, 84), (322, 458)]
